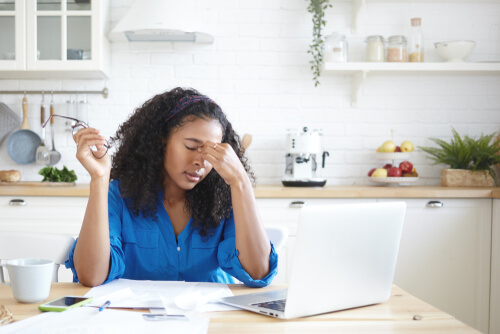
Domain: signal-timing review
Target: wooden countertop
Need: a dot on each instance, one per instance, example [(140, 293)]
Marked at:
[(278, 191), (375, 192), (402, 313)]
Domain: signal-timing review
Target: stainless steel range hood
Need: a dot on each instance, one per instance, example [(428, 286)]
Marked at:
[(160, 21)]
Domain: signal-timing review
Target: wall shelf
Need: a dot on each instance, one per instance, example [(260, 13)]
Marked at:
[(360, 70)]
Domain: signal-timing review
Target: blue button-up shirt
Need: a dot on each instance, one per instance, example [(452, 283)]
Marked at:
[(145, 249)]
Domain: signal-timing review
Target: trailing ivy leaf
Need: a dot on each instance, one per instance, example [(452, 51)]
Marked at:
[(317, 8)]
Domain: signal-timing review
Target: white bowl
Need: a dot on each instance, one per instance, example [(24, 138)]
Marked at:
[(455, 51)]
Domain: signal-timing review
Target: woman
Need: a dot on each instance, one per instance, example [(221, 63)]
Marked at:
[(180, 205)]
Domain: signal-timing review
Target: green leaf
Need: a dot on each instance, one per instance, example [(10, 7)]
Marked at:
[(52, 174), (466, 153), (317, 8)]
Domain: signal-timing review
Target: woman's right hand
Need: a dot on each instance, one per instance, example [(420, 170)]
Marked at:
[(84, 139)]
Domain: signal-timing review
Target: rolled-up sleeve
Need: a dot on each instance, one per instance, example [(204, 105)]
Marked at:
[(228, 259), (70, 264), (116, 263)]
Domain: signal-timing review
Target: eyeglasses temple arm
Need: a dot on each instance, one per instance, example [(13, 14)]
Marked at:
[(48, 119)]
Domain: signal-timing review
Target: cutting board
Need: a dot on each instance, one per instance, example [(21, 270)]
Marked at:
[(38, 184)]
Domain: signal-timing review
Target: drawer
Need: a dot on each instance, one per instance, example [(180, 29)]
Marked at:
[(62, 215), (286, 212)]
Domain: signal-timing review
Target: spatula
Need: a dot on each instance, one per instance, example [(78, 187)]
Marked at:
[(42, 152)]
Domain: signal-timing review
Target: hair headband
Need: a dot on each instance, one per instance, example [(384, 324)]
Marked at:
[(185, 102)]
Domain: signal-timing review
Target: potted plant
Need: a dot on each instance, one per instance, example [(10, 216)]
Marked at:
[(317, 8), (471, 160)]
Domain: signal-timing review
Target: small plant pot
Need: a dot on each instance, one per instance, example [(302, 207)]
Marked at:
[(465, 178)]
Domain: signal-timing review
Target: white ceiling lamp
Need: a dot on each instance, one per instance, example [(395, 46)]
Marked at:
[(160, 21)]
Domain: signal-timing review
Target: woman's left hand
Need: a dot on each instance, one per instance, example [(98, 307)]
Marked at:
[(225, 161)]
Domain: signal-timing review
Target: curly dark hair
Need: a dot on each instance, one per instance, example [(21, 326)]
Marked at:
[(139, 160)]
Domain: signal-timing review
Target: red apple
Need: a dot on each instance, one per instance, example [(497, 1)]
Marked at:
[(387, 166), (395, 172), (398, 149), (406, 166), (371, 171)]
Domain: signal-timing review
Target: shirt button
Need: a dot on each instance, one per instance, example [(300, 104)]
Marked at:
[(178, 249)]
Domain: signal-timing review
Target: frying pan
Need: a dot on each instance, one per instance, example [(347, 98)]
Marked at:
[(22, 144)]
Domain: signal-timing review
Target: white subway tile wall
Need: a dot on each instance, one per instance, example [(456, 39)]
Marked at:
[(258, 71)]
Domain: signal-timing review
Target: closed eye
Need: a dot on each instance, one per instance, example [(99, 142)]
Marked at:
[(191, 148)]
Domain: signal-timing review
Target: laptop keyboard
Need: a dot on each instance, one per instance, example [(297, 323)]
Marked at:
[(277, 305)]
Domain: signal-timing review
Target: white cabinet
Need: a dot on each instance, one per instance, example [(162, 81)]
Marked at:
[(495, 269), (56, 39), (59, 215), (444, 256), (286, 212), (13, 35)]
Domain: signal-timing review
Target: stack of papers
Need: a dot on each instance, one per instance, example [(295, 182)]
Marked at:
[(88, 320), (178, 303), (160, 296)]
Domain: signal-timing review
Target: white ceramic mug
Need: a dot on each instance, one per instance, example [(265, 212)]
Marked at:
[(30, 279)]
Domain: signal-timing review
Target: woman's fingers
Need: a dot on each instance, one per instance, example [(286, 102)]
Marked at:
[(225, 161), (90, 149), (214, 152), (88, 138), (84, 132)]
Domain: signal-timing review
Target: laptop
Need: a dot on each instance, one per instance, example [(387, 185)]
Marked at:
[(345, 257)]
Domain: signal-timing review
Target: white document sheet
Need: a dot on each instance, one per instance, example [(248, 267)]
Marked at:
[(88, 320), (159, 296)]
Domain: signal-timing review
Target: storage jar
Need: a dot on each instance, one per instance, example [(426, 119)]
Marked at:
[(375, 50), (416, 48), (397, 49), (335, 48)]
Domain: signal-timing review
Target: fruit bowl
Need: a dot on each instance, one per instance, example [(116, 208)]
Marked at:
[(455, 51), (394, 180), (392, 155)]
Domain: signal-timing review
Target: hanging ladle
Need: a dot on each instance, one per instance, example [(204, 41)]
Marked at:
[(54, 156)]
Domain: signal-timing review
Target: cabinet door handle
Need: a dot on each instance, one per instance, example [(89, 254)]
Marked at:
[(17, 202), (297, 204), (434, 204)]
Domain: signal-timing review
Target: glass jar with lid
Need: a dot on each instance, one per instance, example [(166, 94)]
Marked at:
[(375, 49), (397, 49), (335, 48), (416, 48)]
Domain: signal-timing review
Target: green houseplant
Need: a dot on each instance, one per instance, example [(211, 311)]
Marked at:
[(471, 154), (317, 8)]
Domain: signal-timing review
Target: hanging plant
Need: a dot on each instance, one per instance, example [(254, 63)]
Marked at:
[(317, 8)]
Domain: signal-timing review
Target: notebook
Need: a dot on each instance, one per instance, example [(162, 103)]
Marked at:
[(345, 257)]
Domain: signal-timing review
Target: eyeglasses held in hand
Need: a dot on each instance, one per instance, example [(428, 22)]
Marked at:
[(75, 128)]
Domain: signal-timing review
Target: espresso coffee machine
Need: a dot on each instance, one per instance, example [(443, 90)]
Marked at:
[(303, 149)]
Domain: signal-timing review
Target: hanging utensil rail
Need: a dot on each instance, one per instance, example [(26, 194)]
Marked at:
[(104, 92)]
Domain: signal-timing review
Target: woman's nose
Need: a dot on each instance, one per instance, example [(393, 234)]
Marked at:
[(198, 159)]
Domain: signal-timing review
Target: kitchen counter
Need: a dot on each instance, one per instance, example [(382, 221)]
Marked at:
[(376, 192), (277, 191)]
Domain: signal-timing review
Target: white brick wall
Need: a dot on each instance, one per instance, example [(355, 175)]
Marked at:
[(258, 71)]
